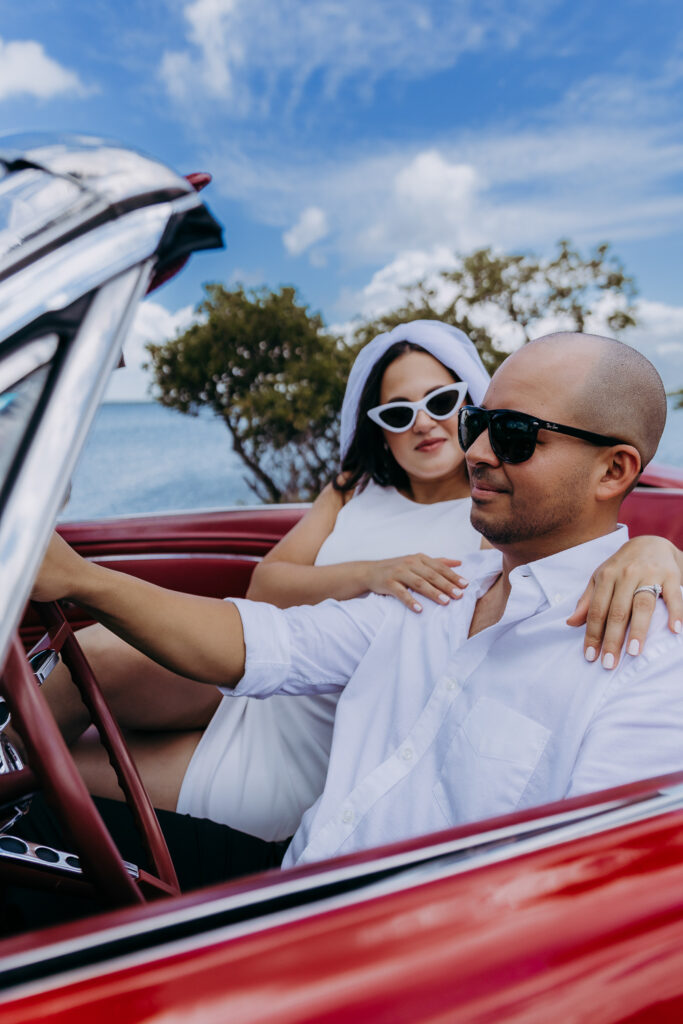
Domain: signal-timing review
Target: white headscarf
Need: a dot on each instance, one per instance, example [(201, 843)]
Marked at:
[(446, 343)]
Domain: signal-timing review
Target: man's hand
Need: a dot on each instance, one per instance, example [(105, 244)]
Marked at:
[(60, 572)]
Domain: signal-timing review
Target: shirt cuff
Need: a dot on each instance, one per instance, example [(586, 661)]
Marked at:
[(268, 652)]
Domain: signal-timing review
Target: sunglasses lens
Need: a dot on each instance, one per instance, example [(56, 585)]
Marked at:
[(443, 404), (397, 418), (513, 438), (471, 424)]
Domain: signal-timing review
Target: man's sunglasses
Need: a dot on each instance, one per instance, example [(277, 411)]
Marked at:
[(440, 405), (513, 435)]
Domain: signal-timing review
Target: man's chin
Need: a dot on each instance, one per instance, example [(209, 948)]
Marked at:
[(496, 530)]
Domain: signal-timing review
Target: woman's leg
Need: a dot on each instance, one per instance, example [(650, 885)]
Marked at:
[(141, 694), (162, 714), (161, 759)]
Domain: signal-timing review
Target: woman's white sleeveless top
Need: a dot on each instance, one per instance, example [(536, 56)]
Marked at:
[(261, 763)]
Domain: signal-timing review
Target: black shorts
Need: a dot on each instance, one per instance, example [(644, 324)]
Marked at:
[(203, 852)]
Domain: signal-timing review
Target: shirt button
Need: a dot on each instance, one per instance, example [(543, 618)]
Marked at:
[(407, 754), (558, 597), (347, 816), (452, 684)]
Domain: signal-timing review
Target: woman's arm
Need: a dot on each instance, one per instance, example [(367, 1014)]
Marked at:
[(609, 604), (287, 575)]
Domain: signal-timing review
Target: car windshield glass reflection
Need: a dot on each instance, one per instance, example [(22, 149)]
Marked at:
[(30, 201), (23, 375)]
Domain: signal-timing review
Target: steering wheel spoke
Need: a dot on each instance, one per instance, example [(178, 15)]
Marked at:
[(55, 772)]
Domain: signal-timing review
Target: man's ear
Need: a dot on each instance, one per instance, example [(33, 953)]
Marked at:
[(619, 471)]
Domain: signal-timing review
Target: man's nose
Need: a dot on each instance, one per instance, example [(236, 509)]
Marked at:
[(481, 451)]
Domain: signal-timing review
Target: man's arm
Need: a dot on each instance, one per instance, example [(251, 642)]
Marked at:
[(638, 732), (199, 637)]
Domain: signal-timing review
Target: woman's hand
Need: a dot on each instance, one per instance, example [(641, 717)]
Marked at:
[(608, 603), (404, 577)]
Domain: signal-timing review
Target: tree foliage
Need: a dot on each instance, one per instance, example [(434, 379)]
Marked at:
[(270, 370), (274, 374), (517, 289)]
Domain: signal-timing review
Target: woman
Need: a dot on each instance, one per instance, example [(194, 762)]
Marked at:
[(257, 765)]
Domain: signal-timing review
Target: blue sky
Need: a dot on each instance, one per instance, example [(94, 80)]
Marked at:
[(357, 146)]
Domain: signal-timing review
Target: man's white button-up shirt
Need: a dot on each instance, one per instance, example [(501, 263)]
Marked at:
[(435, 729)]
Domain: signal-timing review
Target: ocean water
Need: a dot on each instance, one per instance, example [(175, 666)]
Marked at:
[(141, 457)]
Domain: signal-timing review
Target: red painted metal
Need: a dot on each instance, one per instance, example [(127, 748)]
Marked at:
[(590, 930), (659, 475)]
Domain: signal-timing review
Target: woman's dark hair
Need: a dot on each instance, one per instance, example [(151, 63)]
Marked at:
[(368, 456)]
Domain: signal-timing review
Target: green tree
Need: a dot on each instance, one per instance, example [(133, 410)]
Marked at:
[(520, 289), (275, 376)]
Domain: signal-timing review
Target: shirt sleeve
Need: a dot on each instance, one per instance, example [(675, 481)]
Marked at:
[(638, 731), (306, 649)]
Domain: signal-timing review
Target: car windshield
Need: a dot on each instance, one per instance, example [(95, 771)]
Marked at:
[(23, 377)]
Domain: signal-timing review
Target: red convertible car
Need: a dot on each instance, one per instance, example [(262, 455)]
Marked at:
[(570, 911)]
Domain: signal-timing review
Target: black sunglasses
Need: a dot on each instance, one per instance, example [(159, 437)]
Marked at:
[(513, 435)]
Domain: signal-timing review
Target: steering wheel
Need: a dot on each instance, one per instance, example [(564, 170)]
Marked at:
[(52, 770)]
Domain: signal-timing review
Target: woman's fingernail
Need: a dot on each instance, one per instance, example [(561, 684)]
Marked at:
[(634, 647), (443, 599), (677, 626), (417, 607), (590, 654), (608, 661)]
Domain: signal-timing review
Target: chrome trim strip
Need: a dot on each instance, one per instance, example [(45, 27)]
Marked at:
[(422, 866), (61, 862), (18, 364), (65, 274), (26, 524)]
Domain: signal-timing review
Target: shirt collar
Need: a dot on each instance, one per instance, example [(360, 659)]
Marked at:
[(559, 575), (567, 572)]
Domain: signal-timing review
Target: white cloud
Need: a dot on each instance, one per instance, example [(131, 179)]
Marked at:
[(659, 336), (503, 187), (26, 69), (249, 54), (385, 290), (310, 228), (152, 323)]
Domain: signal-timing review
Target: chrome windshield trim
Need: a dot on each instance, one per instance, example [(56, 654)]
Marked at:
[(27, 522), (405, 871), (64, 275), (56, 187), (18, 364), (103, 167)]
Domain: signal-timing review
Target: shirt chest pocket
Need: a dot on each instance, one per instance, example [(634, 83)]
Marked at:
[(489, 762)]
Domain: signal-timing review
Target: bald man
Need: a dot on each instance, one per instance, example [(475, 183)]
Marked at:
[(486, 705)]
